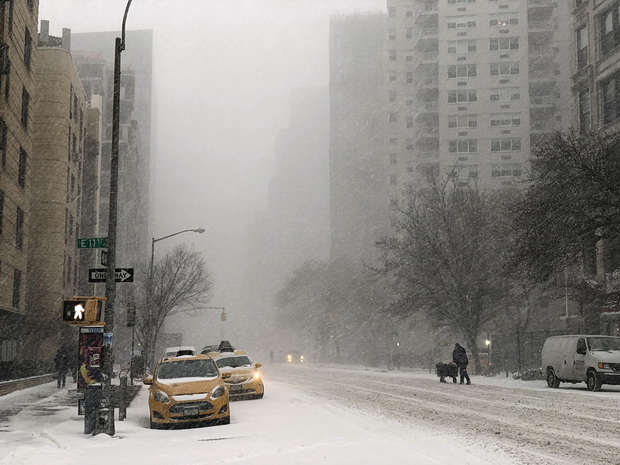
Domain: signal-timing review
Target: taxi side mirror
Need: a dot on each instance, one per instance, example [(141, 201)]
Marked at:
[(148, 380), (226, 375), (258, 365)]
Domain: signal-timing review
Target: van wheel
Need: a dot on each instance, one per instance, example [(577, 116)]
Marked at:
[(594, 382), (552, 380)]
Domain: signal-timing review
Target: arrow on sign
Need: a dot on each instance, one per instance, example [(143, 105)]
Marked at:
[(121, 275)]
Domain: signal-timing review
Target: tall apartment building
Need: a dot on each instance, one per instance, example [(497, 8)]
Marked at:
[(358, 178), (18, 58), (473, 87), (596, 91), (59, 115), (94, 55)]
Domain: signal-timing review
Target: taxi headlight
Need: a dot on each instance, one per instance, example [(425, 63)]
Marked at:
[(219, 391), (256, 375), (160, 396)]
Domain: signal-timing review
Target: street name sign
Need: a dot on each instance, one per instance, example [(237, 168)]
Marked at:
[(92, 242), (121, 275)]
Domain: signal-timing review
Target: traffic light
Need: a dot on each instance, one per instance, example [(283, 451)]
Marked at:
[(83, 309)]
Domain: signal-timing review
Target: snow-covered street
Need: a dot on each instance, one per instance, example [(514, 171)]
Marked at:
[(326, 415)]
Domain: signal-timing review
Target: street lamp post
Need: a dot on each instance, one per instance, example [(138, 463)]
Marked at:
[(150, 286), (106, 413)]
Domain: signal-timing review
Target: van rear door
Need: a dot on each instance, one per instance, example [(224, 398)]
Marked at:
[(565, 355)]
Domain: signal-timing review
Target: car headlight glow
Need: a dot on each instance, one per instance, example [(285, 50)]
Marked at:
[(219, 391), (256, 375), (161, 396), (290, 358), (301, 359)]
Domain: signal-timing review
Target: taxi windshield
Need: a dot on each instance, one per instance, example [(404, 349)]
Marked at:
[(187, 369), (234, 362)]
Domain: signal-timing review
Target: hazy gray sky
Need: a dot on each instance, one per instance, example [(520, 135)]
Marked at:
[(223, 72)]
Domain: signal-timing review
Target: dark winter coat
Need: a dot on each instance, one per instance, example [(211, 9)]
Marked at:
[(459, 356), (61, 362)]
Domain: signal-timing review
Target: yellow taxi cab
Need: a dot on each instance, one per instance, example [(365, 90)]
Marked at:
[(187, 389), (244, 381)]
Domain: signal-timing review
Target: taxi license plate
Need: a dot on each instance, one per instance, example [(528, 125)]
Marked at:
[(235, 389), (191, 411)]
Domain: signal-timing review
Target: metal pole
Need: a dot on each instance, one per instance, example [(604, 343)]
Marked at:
[(110, 286)]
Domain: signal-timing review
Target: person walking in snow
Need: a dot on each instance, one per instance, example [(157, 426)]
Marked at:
[(459, 357), (61, 363)]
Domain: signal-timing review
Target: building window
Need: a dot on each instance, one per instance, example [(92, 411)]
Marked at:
[(23, 167), (504, 19), (505, 119), (27, 49), (458, 22), (393, 159), (25, 107), (392, 117), (504, 69), (505, 94), (609, 29), (584, 110), (461, 71), (391, 96), (391, 76), (467, 171), (392, 55), (611, 99), (409, 122), (462, 96), (3, 141), (504, 43), (462, 121), (393, 180), (17, 284), (582, 47), (7, 80), (462, 46), (19, 228), (509, 144), (463, 146), (391, 34), (393, 140), (409, 33), (507, 170)]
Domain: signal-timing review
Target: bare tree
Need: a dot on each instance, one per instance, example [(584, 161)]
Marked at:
[(446, 259), (180, 283)]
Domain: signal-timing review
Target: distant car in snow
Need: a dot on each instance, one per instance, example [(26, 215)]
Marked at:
[(295, 356), (245, 380)]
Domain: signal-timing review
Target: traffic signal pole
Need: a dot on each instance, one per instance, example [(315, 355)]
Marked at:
[(105, 417)]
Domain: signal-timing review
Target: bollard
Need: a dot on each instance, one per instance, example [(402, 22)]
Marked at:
[(122, 399), (92, 400)]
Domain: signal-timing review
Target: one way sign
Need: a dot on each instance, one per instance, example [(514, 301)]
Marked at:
[(121, 275)]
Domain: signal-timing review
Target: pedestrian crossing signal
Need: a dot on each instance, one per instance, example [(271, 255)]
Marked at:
[(74, 310), (83, 309)]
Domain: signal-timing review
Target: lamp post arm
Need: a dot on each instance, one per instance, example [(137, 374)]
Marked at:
[(200, 230), (122, 44)]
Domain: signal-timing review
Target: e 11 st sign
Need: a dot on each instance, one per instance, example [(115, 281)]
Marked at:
[(92, 242)]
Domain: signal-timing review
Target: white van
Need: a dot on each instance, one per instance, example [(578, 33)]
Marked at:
[(594, 360)]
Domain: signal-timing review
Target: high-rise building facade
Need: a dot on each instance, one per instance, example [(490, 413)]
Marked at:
[(358, 170), (59, 117), (94, 55), (473, 87), (18, 57)]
